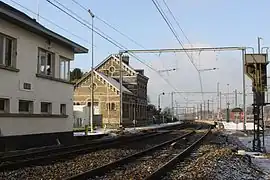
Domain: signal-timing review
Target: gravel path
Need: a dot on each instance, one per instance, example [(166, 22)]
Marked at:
[(62, 169), (144, 166), (215, 161)]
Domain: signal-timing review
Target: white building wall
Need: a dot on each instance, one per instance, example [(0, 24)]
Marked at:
[(43, 89)]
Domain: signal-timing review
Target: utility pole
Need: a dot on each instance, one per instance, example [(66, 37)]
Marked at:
[(228, 105), (197, 111), (203, 110), (218, 107), (172, 107), (92, 74), (208, 111), (121, 95), (244, 87), (235, 95)]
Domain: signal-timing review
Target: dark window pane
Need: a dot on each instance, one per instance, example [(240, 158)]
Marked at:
[(63, 109), (27, 86), (8, 52), (2, 104), (1, 49), (45, 107), (49, 64), (24, 106)]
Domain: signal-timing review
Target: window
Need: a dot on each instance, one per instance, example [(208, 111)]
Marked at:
[(46, 62), (64, 68), (25, 106), (94, 86), (7, 51), (63, 109), (106, 72), (46, 108), (111, 69), (4, 105), (108, 106), (111, 106), (27, 86)]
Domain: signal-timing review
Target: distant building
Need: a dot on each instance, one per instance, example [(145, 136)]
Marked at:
[(107, 92), (36, 96)]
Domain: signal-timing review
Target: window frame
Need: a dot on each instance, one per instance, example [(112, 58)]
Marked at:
[(30, 107), (13, 51), (46, 52), (49, 107), (66, 68), (6, 105)]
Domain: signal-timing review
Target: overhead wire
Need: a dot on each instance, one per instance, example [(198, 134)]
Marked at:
[(177, 23), (111, 26), (104, 36), (158, 7), (84, 22), (161, 12), (115, 29), (60, 27)]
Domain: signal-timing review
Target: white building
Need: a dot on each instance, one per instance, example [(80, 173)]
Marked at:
[(36, 96)]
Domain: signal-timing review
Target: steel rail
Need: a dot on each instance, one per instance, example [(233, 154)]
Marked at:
[(67, 154), (45, 156), (181, 156), (103, 169)]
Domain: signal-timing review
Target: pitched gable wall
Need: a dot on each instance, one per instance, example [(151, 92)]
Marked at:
[(104, 93), (133, 81), (111, 68)]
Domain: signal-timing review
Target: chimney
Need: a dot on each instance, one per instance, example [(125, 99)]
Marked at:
[(141, 71), (125, 59)]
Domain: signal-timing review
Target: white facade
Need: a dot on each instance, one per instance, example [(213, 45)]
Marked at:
[(42, 89)]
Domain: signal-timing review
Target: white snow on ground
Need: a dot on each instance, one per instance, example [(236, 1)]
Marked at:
[(258, 158), (154, 126), (129, 130), (239, 126)]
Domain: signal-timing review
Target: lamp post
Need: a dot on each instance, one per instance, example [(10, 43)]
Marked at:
[(159, 109), (159, 99), (92, 73), (228, 103)]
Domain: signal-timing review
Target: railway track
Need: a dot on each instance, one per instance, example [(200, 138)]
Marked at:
[(69, 166), (15, 160), (46, 156), (142, 165)]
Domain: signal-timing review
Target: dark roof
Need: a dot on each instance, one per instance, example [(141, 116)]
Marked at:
[(24, 21)]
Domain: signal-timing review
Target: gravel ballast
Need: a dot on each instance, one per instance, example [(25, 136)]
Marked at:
[(81, 163), (216, 159)]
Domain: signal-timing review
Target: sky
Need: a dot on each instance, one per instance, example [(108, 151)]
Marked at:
[(206, 23)]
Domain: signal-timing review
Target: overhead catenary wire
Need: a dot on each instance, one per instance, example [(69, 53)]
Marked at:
[(115, 29), (60, 27), (173, 31), (111, 26), (85, 23), (107, 38), (158, 7), (177, 23)]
